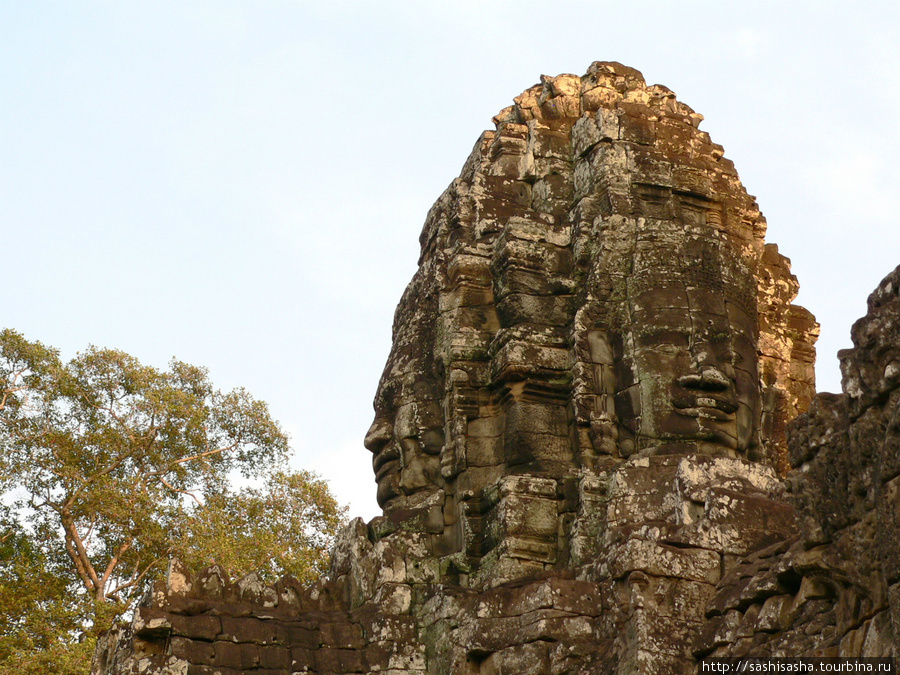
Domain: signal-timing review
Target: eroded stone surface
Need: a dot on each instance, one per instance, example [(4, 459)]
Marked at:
[(579, 433)]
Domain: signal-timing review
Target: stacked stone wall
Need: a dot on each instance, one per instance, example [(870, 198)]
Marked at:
[(212, 625)]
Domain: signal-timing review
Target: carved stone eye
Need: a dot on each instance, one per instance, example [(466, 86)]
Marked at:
[(669, 350), (732, 357)]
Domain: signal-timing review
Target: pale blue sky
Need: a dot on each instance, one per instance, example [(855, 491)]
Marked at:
[(242, 184)]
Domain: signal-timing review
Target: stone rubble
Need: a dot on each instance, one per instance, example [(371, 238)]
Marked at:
[(582, 443)]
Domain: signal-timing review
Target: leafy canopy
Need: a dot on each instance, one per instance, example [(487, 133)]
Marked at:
[(109, 467)]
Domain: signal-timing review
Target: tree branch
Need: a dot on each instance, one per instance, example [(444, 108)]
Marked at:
[(113, 562), (77, 552), (200, 455), (93, 478), (183, 492), (7, 392), (15, 378), (134, 581)]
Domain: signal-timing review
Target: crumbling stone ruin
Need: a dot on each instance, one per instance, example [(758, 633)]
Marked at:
[(581, 441)]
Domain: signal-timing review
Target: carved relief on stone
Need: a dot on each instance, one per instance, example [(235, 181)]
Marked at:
[(407, 436), (686, 354), (595, 284)]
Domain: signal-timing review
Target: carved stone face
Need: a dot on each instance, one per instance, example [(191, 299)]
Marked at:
[(690, 372), (407, 435), (406, 443)]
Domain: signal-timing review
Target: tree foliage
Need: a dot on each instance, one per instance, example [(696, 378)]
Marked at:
[(109, 467), (284, 528), (41, 620)]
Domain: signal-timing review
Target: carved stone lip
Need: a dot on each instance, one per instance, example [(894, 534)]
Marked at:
[(385, 462), (386, 469), (710, 406), (708, 413)]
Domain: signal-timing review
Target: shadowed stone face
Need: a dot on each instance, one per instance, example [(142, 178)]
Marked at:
[(407, 435), (406, 453), (693, 374)]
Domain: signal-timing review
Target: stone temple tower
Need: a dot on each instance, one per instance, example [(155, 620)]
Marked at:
[(581, 434)]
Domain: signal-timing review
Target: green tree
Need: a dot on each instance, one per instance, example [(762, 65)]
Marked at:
[(108, 468), (286, 527), (40, 618)]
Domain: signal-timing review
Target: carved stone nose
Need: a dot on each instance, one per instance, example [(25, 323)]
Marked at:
[(709, 378), (378, 435)]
